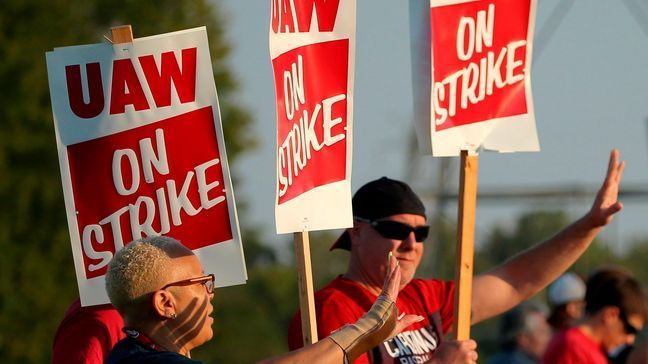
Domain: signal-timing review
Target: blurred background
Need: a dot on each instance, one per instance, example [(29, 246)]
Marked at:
[(590, 85)]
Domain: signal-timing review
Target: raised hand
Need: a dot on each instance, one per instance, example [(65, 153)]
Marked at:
[(606, 203)]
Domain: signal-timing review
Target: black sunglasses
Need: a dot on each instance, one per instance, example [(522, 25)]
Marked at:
[(397, 230), (627, 326)]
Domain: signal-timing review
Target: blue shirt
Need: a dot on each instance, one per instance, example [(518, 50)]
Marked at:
[(130, 351)]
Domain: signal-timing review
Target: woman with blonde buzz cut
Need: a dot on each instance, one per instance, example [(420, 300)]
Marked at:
[(160, 289)]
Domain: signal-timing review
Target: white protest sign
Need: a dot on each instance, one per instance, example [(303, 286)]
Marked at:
[(141, 153), (471, 64), (312, 47)]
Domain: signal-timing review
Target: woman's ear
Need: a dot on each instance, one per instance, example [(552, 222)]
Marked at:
[(164, 304)]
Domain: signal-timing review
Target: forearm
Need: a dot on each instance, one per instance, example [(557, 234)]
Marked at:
[(528, 272), (533, 269)]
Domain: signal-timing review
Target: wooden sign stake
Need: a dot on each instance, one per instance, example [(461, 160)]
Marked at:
[(306, 292), (465, 245), (122, 34)]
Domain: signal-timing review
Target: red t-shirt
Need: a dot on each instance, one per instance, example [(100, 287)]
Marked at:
[(344, 301), (572, 346), (87, 334)]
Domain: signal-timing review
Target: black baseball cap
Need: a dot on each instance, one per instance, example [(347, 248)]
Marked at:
[(382, 198)]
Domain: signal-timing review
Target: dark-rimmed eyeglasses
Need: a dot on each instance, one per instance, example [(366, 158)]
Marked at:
[(207, 281), (397, 230)]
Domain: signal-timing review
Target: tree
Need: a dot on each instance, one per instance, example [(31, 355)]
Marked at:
[(37, 279), (634, 260)]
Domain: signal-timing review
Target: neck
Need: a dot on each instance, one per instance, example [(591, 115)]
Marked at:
[(164, 338), (359, 276), (592, 329)]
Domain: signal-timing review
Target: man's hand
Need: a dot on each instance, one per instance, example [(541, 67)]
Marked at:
[(606, 203), (456, 352)]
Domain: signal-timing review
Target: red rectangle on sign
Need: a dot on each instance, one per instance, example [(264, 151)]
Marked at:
[(311, 87), (162, 178), (479, 56)]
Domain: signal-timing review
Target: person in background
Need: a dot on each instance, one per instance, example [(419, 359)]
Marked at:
[(615, 310), (524, 335), (160, 289), (566, 296), (390, 217), (86, 334)]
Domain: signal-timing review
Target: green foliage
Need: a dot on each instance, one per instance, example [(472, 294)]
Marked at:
[(37, 280), (635, 259), (530, 228), (326, 264)]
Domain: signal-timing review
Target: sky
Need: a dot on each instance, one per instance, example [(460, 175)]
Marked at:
[(589, 80)]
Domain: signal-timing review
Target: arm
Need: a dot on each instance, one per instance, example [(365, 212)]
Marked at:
[(530, 271)]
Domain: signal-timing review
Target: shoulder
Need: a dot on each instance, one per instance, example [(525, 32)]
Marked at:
[(436, 284), (91, 319), (572, 346), (87, 334), (344, 292), (428, 289), (559, 342), (128, 351)]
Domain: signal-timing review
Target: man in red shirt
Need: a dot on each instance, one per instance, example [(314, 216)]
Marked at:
[(389, 217), (615, 310), (87, 334)]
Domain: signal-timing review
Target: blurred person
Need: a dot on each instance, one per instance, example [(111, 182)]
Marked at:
[(524, 335), (390, 217), (160, 289), (86, 334), (615, 310), (566, 296)]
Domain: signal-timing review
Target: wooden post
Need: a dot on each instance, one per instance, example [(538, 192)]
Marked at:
[(465, 245), (306, 292), (122, 34)]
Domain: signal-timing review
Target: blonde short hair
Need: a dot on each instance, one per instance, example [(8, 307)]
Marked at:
[(140, 268)]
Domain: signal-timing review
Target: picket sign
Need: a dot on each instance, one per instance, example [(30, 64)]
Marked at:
[(141, 152), (471, 75), (312, 48)]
